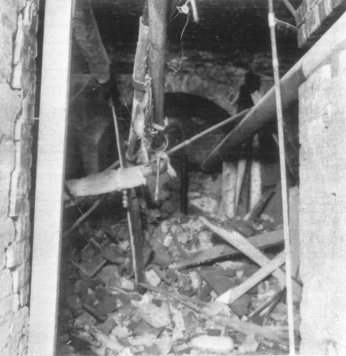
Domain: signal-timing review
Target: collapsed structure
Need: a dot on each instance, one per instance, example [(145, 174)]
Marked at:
[(171, 267)]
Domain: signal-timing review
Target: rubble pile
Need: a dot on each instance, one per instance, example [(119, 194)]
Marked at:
[(177, 310), (204, 193)]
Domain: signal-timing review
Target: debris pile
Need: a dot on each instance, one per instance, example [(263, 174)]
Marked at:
[(204, 193), (187, 303)]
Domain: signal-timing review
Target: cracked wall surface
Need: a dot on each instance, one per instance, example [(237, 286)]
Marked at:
[(18, 28)]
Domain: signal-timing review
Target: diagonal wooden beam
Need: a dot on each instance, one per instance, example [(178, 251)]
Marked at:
[(87, 35)]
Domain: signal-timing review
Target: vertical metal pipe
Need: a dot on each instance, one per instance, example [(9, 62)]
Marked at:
[(271, 20), (133, 212), (50, 174)]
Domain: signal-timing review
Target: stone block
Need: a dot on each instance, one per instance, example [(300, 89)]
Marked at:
[(7, 231), (7, 158), (15, 303), (19, 322), (20, 276), (6, 46), (23, 226), (6, 307), (23, 345), (313, 21), (17, 253), (5, 293), (13, 344), (24, 296), (319, 16), (4, 350), (4, 335), (324, 9), (10, 107)]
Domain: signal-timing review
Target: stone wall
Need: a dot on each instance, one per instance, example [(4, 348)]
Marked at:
[(17, 87), (322, 227), (216, 76)]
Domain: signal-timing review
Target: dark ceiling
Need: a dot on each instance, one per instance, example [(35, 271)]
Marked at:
[(224, 26), (223, 23)]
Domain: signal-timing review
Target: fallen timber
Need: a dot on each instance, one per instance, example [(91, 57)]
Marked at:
[(332, 42)]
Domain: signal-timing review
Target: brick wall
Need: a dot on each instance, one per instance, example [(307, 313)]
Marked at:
[(17, 88)]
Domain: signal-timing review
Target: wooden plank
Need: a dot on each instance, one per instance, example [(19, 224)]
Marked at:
[(267, 239), (50, 172), (229, 180)]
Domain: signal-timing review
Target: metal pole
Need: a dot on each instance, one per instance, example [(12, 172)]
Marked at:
[(50, 174), (271, 20), (133, 212)]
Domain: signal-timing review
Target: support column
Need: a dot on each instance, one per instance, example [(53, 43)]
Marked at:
[(322, 219), (50, 174)]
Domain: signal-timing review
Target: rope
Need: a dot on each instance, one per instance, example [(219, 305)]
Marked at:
[(174, 10), (271, 20), (79, 91), (183, 58)]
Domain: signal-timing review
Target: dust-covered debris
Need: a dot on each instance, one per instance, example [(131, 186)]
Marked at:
[(187, 267)]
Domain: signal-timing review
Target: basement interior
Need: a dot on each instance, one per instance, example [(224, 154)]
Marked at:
[(172, 177)]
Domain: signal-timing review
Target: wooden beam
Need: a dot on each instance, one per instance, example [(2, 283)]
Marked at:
[(50, 173), (242, 244), (139, 72), (268, 239), (333, 40), (157, 41), (87, 35)]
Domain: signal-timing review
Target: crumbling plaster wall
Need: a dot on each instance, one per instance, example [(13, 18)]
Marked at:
[(323, 209), (17, 87)]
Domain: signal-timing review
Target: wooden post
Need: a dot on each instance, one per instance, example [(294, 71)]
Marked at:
[(228, 197), (241, 169), (50, 173), (157, 40), (255, 176), (139, 72), (255, 180), (87, 35)]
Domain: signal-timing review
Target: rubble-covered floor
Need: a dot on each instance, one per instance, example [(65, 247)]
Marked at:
[(187, 267)]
